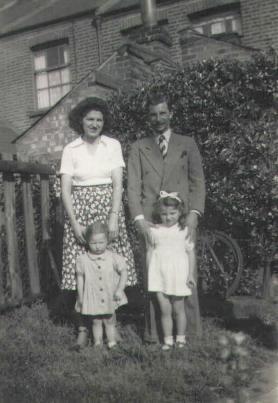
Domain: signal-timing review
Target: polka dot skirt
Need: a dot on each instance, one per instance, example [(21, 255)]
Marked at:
[(90, 204)]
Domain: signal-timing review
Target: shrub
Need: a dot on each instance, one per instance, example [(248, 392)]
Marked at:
[(229, 107)]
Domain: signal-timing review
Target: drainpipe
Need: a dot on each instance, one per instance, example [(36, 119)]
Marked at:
[(96, 22), (149, 13)]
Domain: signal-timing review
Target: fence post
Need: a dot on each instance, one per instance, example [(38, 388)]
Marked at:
[(2, 296), (29, 227), (45, 205), (12, 245)]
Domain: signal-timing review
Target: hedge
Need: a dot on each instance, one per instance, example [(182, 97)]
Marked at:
[(230, 107)]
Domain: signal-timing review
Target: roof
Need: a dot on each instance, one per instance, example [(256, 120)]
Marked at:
[(116, 5), (19, 15), (16, 15)]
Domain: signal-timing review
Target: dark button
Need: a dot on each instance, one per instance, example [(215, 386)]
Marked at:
[(100, 278), (99, 267), (101, 289), (102, 300)]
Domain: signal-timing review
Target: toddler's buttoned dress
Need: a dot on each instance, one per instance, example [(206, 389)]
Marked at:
[(167, 261), (101, 278)]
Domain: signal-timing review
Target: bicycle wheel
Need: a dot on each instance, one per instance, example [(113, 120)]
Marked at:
[(221, 263)]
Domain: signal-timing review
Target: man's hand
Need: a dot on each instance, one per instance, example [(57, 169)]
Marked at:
[(191, 223), (143, 228)]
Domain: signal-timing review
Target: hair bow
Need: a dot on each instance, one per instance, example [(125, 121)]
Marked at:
[(173, 195)]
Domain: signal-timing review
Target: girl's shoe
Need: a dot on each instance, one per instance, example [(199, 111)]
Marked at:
[(180, 344), (166, 347)]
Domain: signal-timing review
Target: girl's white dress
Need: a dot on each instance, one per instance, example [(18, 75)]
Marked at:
[(167, 262)]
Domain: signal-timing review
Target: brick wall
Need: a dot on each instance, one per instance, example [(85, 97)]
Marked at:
[(199, 47), (48, 136), (17, 91), (260, 23), (260, 29)]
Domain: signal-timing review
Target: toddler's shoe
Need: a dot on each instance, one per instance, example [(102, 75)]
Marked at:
[(82, 340)]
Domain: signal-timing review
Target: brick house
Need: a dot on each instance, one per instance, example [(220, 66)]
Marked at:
[(55, 52)]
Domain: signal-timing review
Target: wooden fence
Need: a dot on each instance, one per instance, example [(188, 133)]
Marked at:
[(13, 172)]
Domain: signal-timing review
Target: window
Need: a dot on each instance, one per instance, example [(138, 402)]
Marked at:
[(218, 24), (52, 73)]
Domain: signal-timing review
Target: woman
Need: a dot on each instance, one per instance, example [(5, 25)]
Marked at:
[(91, 184)]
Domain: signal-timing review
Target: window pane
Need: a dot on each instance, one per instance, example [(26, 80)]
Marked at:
[(43, 99), (236, 25), (64, 55), (65, 75), (53, 57), (199, 29), (65, 89), (54, 78), (41, 81), (218, 27), (40, 61), (55, 95)]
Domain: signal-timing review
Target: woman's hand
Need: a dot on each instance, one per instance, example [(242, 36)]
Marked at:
[(113, 226), (79, 231)]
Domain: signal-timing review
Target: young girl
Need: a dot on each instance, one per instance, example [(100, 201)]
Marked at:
[(171, 262), (101, 279)]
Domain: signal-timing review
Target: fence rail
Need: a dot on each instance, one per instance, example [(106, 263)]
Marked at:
[(21, 172)]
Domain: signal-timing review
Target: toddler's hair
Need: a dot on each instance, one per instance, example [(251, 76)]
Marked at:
[(97, 227), (169, 201)]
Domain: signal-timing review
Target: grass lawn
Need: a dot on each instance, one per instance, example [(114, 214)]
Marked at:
[(37, 366)]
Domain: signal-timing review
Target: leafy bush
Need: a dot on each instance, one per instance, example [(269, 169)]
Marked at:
[(230, 109)]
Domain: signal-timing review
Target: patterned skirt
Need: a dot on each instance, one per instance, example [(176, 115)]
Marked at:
[(90, 204)]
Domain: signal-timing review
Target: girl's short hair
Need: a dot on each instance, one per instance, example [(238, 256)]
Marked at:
[(77, 114), (97, 227), (169, 201)]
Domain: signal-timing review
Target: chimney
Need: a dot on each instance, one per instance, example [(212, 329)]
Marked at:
[(151, 34), (148, 12)]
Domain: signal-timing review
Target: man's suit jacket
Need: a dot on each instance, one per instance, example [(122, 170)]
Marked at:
[(148, 173)]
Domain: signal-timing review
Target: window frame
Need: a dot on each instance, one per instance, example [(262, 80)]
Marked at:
[(66, 66), (203, 22)]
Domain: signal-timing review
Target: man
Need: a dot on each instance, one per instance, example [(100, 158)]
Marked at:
[(170, 162)]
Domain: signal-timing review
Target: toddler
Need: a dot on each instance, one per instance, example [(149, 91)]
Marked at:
[(101, 279), (171, 263)]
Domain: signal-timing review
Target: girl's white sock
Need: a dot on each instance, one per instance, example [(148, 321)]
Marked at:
[(111, 344), (169, 340), (180, 338)]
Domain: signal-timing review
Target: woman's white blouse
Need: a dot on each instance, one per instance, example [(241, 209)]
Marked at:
[(89, 165)]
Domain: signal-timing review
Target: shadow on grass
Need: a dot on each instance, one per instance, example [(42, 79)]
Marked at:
[(262, 330)]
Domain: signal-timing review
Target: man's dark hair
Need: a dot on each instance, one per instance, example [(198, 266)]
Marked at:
[(156, 98)]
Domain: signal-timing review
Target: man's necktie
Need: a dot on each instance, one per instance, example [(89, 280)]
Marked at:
[(162, 145)]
